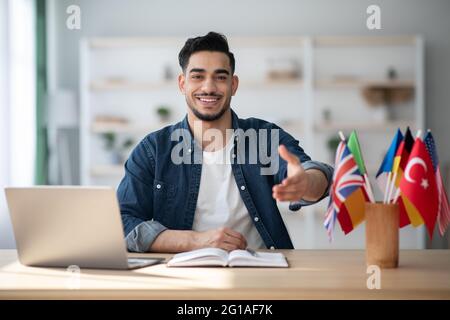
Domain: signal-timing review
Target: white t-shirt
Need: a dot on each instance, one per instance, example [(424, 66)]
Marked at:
[(219, 203)]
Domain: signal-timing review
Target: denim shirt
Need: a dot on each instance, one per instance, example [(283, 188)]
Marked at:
[(158, 193)]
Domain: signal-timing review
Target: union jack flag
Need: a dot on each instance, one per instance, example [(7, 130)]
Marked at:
[(346, 179)]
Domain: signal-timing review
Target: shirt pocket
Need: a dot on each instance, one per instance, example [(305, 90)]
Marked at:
[(164, 203)]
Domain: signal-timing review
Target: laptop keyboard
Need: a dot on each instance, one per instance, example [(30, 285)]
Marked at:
[(136, 262)]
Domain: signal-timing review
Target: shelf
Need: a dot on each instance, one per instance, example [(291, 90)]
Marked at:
[(323, 41), (271, 84), (235, 42), (362, 126), (125, 128), (165, 85), (130, 42), (337, 72), (132, 86), (270, 41), (292, 125), (107, 170), (359, 84)]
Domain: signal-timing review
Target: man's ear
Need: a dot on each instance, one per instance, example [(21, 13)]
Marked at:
[(234, 84), (181, 82)]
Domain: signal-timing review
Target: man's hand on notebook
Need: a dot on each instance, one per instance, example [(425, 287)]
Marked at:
[(187, 240), (224, 238)]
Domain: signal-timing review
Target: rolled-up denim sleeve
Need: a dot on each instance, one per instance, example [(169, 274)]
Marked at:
[(327, 170), (142, 236), (135, 196)]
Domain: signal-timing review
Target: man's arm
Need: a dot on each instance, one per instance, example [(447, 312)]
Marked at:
[(135, 196), (186, 240), (300, 184), (318, 184)]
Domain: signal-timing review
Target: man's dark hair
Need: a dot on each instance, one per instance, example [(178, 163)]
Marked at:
[(213, 41)]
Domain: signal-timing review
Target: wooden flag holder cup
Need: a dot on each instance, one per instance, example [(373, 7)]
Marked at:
[(382, 234)]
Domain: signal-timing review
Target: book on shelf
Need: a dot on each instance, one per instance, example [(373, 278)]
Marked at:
[(215, 257)]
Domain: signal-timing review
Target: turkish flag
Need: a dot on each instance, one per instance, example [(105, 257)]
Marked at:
[(418, 184)]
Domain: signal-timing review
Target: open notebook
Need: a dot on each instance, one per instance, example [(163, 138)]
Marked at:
[(208, 257)]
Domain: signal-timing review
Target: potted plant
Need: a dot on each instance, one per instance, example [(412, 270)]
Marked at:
[(332, 144), (163, 113), (126, 145), (118, 151)]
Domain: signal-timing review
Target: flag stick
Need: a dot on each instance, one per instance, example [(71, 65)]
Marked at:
[(369, 188), (366, 178), (386, 189), (397, 193), (392, 186)]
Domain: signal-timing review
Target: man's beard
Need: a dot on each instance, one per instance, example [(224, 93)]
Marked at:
[(210, 117)]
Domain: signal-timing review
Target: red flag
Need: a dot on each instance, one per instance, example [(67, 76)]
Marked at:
[(444, 206), (351, 213), (443, 216), (418, 184), (400, 161), (344, 220)]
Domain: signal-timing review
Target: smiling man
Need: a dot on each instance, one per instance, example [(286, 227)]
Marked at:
[(222, 193)]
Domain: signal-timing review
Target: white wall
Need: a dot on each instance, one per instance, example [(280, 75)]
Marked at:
[(431, 19)]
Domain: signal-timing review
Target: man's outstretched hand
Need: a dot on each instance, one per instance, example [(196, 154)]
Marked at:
[(297, 183)]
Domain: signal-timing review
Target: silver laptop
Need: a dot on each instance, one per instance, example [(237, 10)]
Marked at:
[(58, 226)]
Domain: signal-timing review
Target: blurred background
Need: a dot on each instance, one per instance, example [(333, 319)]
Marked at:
[(81, 82)]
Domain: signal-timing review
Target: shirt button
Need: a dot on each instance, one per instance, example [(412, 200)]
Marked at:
[(272, 248), (242, 187), (189, 150), (233, 155), (256, 219), (158, 186)]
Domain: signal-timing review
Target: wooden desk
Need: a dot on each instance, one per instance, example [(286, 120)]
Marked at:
[(313, 274)]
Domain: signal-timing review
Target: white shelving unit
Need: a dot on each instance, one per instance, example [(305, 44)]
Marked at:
[(343, 68), (127, 78)]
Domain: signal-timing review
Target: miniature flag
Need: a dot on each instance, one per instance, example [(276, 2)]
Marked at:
[(401, 157), (346, 180), (354, 147), (443, 214), (407, 213), (385, 171), (352, 212), (418, 185)]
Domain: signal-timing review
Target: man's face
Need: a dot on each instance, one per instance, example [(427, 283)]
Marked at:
[(208, 84)]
